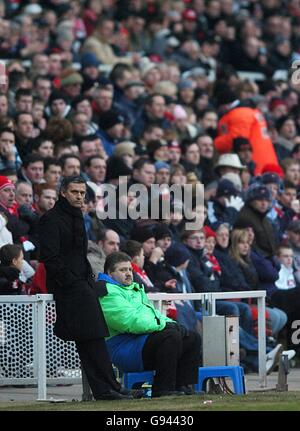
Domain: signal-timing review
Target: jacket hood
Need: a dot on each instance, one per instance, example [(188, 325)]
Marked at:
[(108, 279)]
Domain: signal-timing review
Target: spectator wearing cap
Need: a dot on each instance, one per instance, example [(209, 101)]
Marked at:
[(243, 121), (8, 208), (111, 129), (162, 175), (71, 82), (190, 157), (258, 200), (228, 163), (150, 75), (287, 131), (225, 206), (174, 152), (89, 70), (242, 147), (126, 150), (153, 112), (186, 92), (129, 102)]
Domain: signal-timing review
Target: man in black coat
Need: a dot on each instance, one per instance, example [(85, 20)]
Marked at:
[(63, 245)]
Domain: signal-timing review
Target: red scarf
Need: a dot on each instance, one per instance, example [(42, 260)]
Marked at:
[(142, 274)]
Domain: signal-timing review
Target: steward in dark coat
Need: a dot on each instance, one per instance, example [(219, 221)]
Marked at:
[(69, 275)]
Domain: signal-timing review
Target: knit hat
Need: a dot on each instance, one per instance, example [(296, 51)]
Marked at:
[(179, 113), (124, 148), (177, 254), (270, 178), (89, 59), (276, 169), (161, 231), (70, 78), (142, 233), (257, 192), (189, 15), (109, 119), (209, 232), (184, 84), (161, 165), (226, 188), (116, 167), (4, 182)]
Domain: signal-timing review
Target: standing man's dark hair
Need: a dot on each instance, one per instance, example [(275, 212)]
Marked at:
[(63, 250)]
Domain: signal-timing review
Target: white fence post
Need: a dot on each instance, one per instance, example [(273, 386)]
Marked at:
[(41, 349)]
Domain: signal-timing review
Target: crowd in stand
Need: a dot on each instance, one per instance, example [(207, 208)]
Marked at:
[(161, 92)]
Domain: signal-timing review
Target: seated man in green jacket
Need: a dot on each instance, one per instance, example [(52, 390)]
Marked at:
[(141, 338)]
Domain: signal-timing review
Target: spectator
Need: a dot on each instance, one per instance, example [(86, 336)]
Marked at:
[(152, 350)]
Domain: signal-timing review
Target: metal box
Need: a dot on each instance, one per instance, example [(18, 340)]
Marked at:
[(220, 338)]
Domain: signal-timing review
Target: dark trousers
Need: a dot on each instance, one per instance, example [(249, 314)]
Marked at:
[(96, 363), (175, 355)]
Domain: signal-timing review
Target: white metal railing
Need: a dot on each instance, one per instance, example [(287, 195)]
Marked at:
[(209, 307), (27, 342)]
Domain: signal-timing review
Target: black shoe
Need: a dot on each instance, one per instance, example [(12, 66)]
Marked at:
[(159, 394), (188, 390), (113, 395), (136, 393)]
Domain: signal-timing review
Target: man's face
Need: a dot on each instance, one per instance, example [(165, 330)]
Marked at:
[(122, 273), (55, 66), (158, 107), (104, 100), (58, 107), (24, 195), (24, 104), (25, 126), (97, 170), (111, 243), (7, 196), (46, 149), (116, 131), (294, 238), (80, 124), (196, 241), (164, 243), (293, 173), (210, 119), (88, 149), (261, 205), (43, 89), (52, 175), (85, 108), (72, 167), (245, 154), (163, 176), (3, 105), (206, 146), (288, 196), (145, 175), (35, 172), (75, 194), (149, 246), (286, 257), (47, 199), (7, 142), (192, 154)]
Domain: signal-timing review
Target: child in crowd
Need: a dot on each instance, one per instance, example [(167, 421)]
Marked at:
[(11, 257)]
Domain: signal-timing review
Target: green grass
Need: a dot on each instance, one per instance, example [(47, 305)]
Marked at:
[(260, 401)]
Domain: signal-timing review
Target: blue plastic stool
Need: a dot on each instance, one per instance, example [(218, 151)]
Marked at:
[(132, 379), (235, 372)]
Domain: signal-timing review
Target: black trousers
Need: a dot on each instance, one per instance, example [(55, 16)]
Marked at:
[(97, 365), (175, 354)]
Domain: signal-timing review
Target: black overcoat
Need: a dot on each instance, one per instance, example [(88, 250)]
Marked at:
[(70, 277)]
